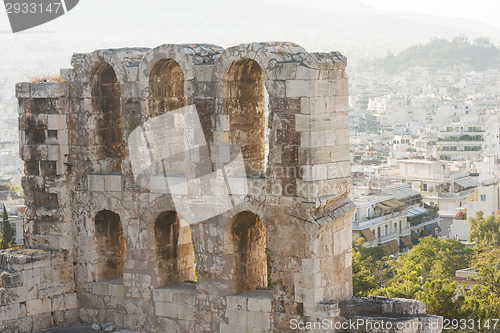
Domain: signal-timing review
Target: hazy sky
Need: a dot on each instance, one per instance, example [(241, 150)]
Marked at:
[(484, 10)]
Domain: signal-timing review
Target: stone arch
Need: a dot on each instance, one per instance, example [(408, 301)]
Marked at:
[(244, 59), (187, 56), (123, 61), (85, 216), (248, 236), (166, 87), (196, 63), (244, 105), (267, 55), (173, 249), (108, 133), (150, 215), (110, 246)]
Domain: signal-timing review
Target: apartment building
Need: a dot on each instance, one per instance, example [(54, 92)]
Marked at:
[(391, 216), (469, 139), (439, 186)]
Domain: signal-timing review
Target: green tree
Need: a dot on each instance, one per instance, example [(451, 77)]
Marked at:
[(437, 258), (443, 298), (368, 267), (432, 259), (485, 232), (406, 282), (8, 234), (484, 298)]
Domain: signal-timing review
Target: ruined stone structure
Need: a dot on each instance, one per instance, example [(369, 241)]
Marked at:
[(111, 250)]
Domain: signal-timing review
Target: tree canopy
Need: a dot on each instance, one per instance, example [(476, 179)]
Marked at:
[(427, 270), (442, 53)]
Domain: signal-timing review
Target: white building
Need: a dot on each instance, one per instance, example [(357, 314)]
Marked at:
[(469, 139), (389, 217), (438, 185)]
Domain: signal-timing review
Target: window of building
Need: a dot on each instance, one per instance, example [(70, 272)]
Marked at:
[(483, 197)]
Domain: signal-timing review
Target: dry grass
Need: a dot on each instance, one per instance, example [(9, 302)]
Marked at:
[(48, 78)]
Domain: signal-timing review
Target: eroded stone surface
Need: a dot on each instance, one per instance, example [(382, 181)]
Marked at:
[(112, 245)]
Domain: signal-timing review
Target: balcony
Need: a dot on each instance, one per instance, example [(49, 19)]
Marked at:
[(388, 237), (444, 195), (459, 149), (376, 220), (472, 138), (422, 220), (405, 232)]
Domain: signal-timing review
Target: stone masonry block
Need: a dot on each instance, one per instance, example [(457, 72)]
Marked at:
[(185, 312), (237, 317), (56, 122), (298, 88), (95, 183), (53, 153), (260, 320), (286, 71), (259, 304), (38, 306), (49, 89), (23, 90), (9, 312), (63, 137), (305, 73), (320, 138), (311, 265), (237, 303), (116, 290), (162, 295), (43, 320), (100, 288), (113, 183), (203, 72), (31, 277), (166, 309), (321, 122)]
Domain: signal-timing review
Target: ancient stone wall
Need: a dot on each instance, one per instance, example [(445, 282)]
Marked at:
[(127, 242), (37, 290)]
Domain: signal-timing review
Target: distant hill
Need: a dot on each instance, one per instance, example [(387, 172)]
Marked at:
[(479, 54)]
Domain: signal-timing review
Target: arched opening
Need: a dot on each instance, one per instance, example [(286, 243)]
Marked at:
[(110, 148), (111, 247), (251, 256), (174, 249), (245, 103), (166, 87)]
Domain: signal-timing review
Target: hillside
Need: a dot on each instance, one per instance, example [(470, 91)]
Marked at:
[(480, 54)]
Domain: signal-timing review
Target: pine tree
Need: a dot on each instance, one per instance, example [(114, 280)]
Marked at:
[(8, 234)]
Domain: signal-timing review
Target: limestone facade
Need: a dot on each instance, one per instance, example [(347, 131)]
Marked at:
[(115, 249)]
